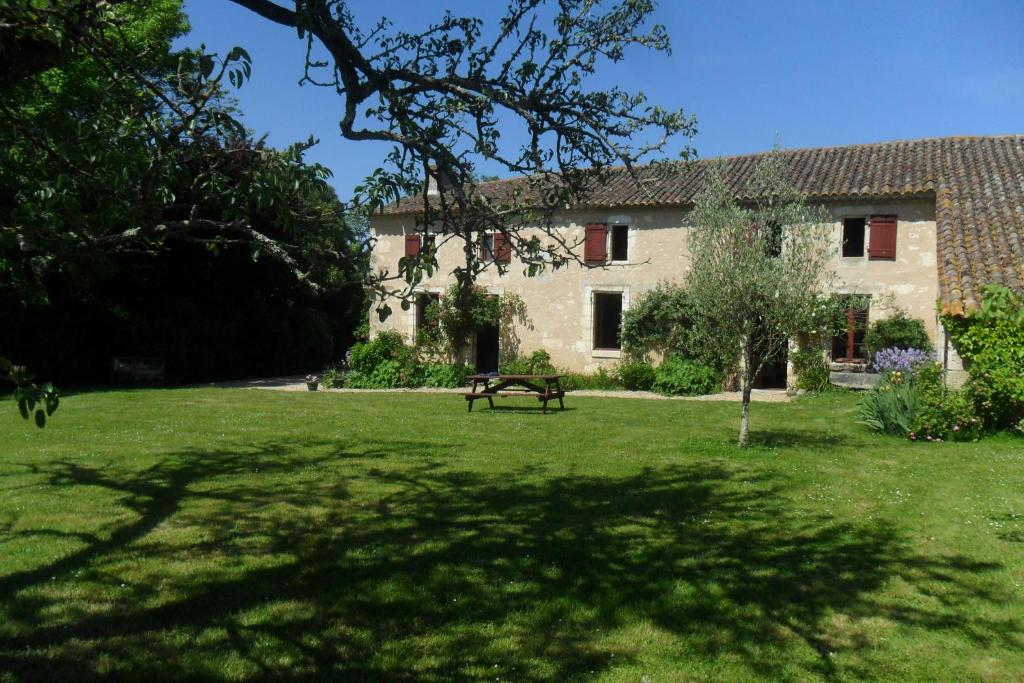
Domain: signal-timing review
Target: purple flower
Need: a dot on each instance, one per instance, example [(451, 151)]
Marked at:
[(894, 359)]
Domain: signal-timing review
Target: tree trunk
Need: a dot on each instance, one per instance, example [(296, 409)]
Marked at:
[(745, 419), (746, 380)]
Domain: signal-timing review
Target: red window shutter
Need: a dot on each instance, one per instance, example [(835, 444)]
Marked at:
[(594, 242), (412, 245), (502, 248), (882, 243)]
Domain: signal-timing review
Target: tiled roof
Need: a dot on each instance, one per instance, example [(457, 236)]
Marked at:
[(977, 183)]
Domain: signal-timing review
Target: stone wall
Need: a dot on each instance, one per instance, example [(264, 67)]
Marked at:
[(559, 303)]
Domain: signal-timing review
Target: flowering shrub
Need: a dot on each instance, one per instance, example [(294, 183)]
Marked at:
[(904, 360), (915, 403), (944, 415)]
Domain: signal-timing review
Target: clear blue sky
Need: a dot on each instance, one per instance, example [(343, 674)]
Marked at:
[(816, 73)]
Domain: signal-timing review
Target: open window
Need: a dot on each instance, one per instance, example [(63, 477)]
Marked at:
[(607, 320), (848, 345), (487, 248), (620, 243), (853, 237)]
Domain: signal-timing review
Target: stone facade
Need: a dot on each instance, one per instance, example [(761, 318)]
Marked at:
[(560, 303)]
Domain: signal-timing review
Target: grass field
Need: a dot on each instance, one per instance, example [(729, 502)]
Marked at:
[(237, 534)]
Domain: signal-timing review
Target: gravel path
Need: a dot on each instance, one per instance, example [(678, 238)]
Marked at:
[(299, 384)]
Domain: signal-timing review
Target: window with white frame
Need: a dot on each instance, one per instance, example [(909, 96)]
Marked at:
[(607, 321)]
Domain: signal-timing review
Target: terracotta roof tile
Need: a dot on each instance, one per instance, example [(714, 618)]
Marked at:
[(977, 183)]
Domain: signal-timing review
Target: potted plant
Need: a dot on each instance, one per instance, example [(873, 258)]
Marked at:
[(312, 382)]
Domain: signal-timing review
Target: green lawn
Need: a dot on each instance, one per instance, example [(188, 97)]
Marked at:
[(240, 534)]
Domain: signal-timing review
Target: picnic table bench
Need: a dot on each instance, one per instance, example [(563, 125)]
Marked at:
[(544, 387)]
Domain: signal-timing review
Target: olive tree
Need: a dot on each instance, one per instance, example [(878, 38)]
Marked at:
[(758, 267)]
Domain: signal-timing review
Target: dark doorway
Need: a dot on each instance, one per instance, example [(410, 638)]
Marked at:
[(487, 349), (773, 374)]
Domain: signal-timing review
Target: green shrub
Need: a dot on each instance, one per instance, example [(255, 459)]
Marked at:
[(598, 381), (992, 341), (658, 321), (635, 375), (537, 363), (444, 374), (387, 375), (812, 370), (944, 415), (897, 331), (364, 357), (890, 407), (683, 377), (918, 405)]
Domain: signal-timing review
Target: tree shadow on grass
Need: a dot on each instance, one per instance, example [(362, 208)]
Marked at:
[(380, 561), (797, 438)]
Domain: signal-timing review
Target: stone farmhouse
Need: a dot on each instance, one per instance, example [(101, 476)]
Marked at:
[(921, 225)]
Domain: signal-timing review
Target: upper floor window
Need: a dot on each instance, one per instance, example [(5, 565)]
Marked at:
[(601, 244), (495, 247), (853, 237), (620, 243), (487, 248), (882, 239)]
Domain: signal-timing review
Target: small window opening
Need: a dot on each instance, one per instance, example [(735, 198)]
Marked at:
[(848, 345), (773, 239), (853, 237), (423, 319), (607, 320), (487, 248), (620, 243)]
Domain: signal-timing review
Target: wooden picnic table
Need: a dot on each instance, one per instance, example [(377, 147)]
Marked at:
[(544, 387)]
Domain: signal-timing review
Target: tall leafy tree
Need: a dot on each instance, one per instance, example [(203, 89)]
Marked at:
[(443, 95), (115, 149), (757, 269)]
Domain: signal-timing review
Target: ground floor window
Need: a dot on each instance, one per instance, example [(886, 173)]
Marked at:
[(848, 345), (423, 318), (607, 320)]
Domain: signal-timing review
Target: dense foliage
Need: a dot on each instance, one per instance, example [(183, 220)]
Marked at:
[(992, 342), (138, 217), (898, 331), (916, 404), (812, 369), (387, 362), (678, 376), (658, 321), (636, 375), (537, 363)]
